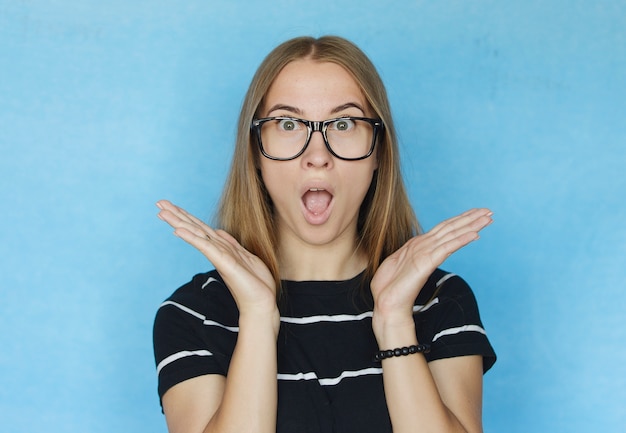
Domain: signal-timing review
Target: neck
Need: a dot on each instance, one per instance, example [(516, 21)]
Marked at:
[(331, 262)]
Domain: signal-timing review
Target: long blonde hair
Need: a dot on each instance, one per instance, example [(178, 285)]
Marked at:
[(386, 219)]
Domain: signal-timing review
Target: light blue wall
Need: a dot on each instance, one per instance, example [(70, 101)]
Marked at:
[(106, 107)]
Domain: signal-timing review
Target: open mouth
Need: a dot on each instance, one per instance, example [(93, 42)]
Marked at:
[(317, 200)]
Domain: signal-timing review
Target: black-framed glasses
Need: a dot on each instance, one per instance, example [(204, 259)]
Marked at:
[(286, 138)]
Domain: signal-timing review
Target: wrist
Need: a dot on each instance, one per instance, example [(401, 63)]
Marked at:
[(260, 321), (394, 330)]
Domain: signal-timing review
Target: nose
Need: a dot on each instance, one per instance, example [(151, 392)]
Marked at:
[(316, 153)]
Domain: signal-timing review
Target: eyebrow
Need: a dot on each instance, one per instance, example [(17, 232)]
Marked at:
[(299, 112), (346, 106), (286, 108)]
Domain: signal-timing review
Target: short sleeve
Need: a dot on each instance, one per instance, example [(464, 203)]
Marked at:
[(450, 322), (194, 332)]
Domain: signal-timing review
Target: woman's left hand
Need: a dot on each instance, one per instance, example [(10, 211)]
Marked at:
[(402, 275)]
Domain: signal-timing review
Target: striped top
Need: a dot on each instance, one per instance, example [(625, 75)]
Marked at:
[(327, 379)]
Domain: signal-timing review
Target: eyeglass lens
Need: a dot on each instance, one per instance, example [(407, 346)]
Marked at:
[(349, 138)]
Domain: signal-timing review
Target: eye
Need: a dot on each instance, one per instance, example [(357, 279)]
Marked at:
[(342, 125), (288, 125)]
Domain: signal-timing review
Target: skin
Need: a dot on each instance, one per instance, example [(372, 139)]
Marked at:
[(441, 396), (317, 91)]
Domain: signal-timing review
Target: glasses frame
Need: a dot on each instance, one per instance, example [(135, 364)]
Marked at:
[(315, 126)]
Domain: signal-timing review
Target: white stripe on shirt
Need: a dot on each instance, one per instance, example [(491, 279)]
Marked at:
[(330, 381), (347, 317), (200, 316), (209, 281), (326, 318), (180, 355), (444, 279), (453, 331), (308, 319)]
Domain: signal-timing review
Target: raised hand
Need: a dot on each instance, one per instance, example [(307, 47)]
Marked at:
[(401, 276), (247, 277)]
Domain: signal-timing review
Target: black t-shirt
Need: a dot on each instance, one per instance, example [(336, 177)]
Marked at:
[(327, 378)]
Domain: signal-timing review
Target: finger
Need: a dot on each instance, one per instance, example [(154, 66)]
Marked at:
[(452, 234), (464, 218), (228, 238), (205, 245), (192, 218), (173, 218), (446, 223), (208, 243), (179, 217), (445, 249), (472, 222), (188, 228), (462, 232), (195, 232), (168, 205), (236, 247), (470, 230), (169, 212), (475, 218), (181, 213)]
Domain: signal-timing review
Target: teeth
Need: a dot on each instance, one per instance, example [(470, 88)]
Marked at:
[(316, 189)]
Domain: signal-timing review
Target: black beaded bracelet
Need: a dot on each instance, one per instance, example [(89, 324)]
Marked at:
[(401, 351)]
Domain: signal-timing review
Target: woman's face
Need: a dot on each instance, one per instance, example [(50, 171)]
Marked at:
[(316, 196)]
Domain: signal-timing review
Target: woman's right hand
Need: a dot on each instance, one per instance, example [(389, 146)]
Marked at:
[(246, 399), (247, 277)]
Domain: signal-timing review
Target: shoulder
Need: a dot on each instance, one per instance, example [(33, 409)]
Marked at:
[(195, 331), (203, 288), (199, 286), (444, 286), (446, 298), (205, 296), (447, 317)]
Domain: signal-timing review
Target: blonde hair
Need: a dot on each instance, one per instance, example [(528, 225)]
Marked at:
[(386, 219)]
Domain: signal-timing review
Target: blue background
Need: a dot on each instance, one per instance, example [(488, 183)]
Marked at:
[(106, 107)]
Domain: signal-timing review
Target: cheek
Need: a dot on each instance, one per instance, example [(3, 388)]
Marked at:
[(359, 184), (275, 181), (265, 171), (268, 182)]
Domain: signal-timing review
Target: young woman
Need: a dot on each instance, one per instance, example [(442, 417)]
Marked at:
[(321, 272)]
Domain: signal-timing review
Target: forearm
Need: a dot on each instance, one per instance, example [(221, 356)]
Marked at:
[(413, 399), (250, 395)]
